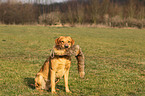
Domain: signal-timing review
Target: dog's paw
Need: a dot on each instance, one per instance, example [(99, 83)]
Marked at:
[(53, 92), (68, 91)]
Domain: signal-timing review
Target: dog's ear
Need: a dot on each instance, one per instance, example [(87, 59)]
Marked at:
[(72, 42), (57, 41)]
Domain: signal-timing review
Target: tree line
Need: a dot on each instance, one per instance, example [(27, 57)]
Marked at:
[(114, 13)]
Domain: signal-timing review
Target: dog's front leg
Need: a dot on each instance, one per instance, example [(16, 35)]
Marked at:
[(66, 81), (52, 81)]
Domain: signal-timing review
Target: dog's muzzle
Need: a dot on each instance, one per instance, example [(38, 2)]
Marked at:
[(66, 45)]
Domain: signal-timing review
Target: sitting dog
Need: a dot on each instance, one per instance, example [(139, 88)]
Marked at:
[(58, 64)]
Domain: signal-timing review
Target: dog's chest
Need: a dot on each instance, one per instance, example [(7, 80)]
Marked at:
[(60, 65)]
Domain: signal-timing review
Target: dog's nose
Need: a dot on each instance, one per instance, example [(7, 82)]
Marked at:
[(66, 45)]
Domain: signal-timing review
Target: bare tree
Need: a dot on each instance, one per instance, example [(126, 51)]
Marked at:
[(80, 13)]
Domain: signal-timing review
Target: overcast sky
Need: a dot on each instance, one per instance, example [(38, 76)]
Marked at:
[(49, 1), (45, 0)]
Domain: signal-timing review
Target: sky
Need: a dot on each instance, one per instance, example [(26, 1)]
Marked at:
[(45, 0), (49, 1)]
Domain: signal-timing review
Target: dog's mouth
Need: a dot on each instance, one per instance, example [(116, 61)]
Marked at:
[(66, 46)]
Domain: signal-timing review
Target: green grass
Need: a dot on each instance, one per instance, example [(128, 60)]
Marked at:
[(115, 60)]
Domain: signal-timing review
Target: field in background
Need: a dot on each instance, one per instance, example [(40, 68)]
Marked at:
[(115, 60), (111, 13)]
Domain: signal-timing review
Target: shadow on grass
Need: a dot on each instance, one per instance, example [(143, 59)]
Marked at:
[(30, 82), (60, 87)]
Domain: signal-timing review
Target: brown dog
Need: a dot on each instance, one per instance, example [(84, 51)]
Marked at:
[(55, 67)]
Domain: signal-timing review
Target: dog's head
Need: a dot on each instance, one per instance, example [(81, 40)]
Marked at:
[(64, 42)]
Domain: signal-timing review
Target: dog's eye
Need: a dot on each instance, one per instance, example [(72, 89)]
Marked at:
[(68, 41), (62, 41)]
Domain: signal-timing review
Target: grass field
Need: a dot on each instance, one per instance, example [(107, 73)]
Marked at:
[(115, 60)]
